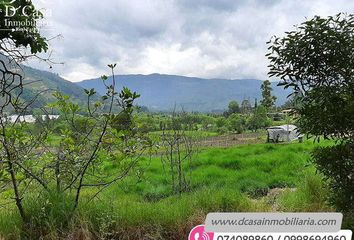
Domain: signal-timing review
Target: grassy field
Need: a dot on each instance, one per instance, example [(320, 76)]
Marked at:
[(259, 177), (156, 135)]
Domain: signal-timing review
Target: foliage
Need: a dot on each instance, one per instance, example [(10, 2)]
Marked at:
[(293, 102), (255, 103), (310, 196), (316, 61), (237, 123), (154, 123), (268, 101), (233, 107), (146, 123), (17, 143), (246, 106), (222, 179), (87, 141), (31, 38), (337, 164), (179, 152), (75, 160), (52, 82), (220, 122), (259, 119)]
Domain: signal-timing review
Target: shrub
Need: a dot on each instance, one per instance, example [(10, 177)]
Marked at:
[(336, 164), (237, 123), (222, 130)]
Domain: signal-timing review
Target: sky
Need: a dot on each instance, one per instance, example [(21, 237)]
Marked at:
[(196, 38)]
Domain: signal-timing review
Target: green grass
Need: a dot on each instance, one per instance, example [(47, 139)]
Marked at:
[(309, 196), (245, 168), (156, 135), (224, 179)]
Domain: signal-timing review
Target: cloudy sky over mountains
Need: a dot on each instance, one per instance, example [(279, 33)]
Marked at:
[(210, 38)]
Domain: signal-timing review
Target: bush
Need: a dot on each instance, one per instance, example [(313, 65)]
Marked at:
[(336, 164), (259, 119), (222, 130), (237, 123)]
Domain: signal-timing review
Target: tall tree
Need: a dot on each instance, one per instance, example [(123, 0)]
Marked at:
[(316, 61), (268, 101), (246, 106), (255, 103), (233, 107)]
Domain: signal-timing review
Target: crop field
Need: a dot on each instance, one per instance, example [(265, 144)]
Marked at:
[(257, 177)]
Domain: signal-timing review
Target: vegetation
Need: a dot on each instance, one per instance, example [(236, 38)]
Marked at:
[(189, 94), (245, 178), (37, 81), (12, 42), (233, 108), (246, 106), (315, 61), (106, 169), (15, 145), (177, 158), (268, 101)]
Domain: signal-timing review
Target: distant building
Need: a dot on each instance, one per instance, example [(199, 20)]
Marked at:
[(288, 111), (29, 118)]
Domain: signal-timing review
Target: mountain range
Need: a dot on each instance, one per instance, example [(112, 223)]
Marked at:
[(159, 92)]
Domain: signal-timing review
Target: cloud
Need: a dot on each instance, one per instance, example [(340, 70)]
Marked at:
[(202, 38)]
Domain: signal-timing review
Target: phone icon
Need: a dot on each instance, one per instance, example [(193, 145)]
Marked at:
[(198, 233)]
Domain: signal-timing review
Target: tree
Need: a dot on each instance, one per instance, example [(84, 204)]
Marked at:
[(13, 40), (232, 108), (16, 141), (179, 149), (86, 142), (237, 123), (268, 101), (316, 61), (220, 122), (207, 122), (259, 119), (246, 106), (292, 102)]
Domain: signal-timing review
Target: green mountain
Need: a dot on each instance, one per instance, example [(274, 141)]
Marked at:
[(163, 92), (44, 82), (159, 92)]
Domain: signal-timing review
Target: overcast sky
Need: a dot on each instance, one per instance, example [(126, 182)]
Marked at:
[(210, 38)]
